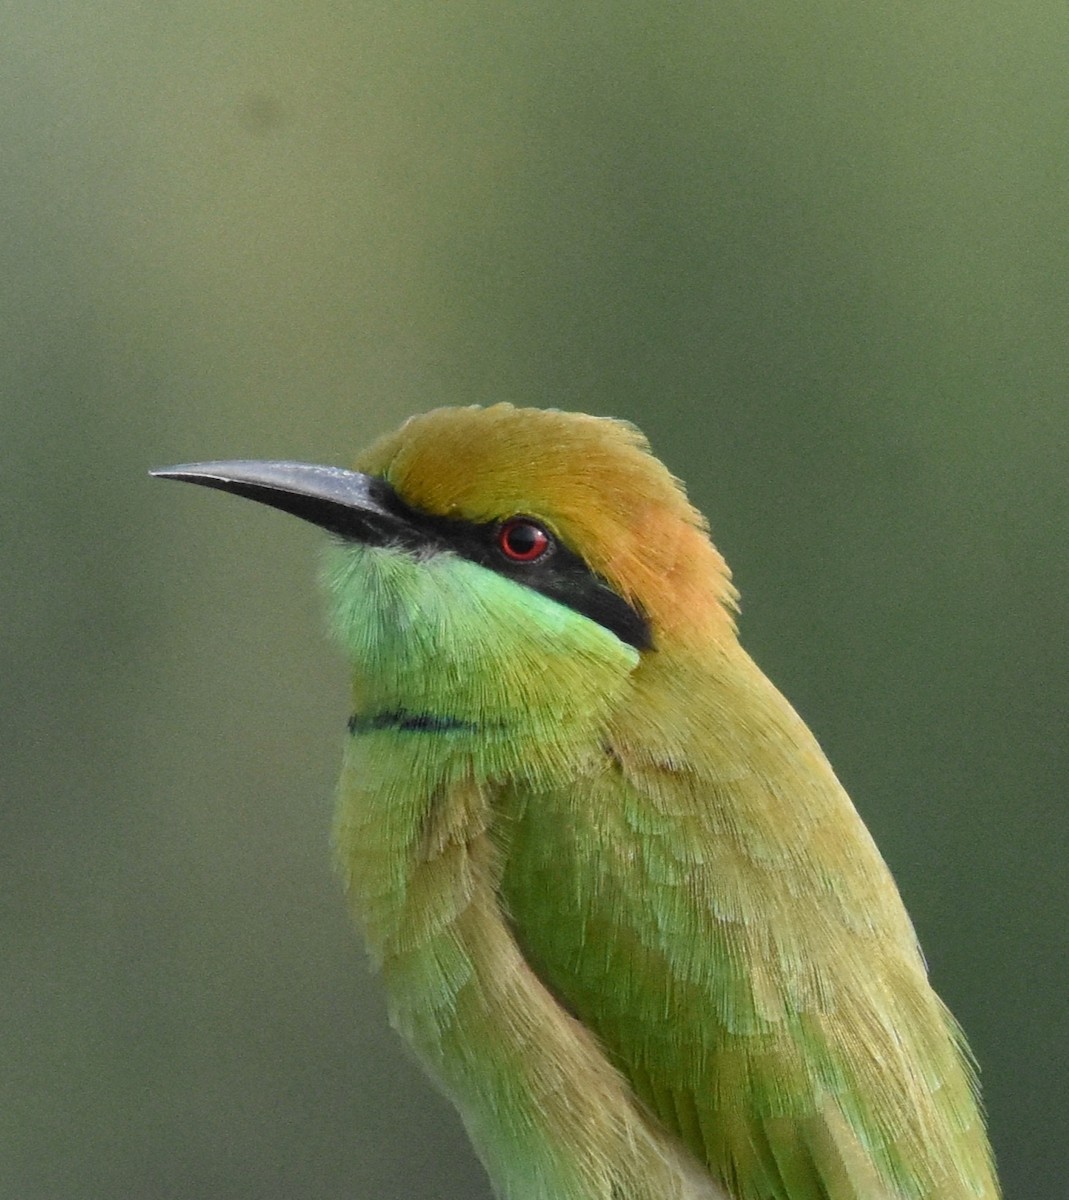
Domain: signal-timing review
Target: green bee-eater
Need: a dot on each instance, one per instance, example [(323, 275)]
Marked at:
[(625, 912)]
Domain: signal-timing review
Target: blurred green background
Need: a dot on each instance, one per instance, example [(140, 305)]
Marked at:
[(818, 252)]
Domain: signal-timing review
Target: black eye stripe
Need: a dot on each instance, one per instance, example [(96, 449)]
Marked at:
[(560, 573)]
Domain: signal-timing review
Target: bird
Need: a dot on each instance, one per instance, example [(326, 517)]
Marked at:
[(624, 911)]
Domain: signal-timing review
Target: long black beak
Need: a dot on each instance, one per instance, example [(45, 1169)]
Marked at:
[(356, 506)]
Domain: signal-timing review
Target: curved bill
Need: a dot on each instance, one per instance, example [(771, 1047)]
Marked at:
[(348, 503)]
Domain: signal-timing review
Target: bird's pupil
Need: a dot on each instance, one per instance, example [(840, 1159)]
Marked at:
[(524, 539)]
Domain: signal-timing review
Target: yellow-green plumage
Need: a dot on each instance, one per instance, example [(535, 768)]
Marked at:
[(624, 910)]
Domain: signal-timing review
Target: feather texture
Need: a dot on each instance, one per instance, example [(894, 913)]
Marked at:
[(719, 916), (624, 910)]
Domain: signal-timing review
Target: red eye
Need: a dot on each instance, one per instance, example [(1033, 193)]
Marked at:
[(522, 540)]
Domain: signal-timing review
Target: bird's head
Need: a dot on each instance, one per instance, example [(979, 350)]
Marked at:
[(493, 561)]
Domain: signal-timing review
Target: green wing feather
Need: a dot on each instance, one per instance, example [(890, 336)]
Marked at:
[(708, 902)]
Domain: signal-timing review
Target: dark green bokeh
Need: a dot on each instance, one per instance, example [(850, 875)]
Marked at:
[(818, 252)]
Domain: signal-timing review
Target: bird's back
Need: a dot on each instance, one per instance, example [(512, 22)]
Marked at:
[(707, 901)]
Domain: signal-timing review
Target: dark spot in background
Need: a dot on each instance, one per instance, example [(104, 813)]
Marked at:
[(260, 112)]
